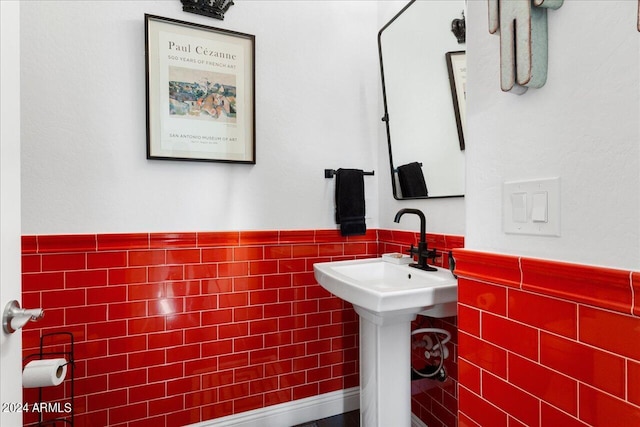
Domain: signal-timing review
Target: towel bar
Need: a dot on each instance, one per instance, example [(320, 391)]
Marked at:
[(329, 173)]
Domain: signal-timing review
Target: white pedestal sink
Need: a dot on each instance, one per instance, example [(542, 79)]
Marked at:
[(387, 297)]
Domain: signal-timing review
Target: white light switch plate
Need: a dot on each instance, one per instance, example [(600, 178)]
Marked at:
[(512, 220)]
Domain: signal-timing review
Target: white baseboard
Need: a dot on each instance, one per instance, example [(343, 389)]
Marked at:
[(417, 422), (292, 413), (297, 412)]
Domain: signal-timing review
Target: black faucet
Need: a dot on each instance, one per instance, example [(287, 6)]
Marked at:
[(422, 250)]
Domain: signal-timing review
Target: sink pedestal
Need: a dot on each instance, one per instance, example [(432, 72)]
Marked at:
[(385, 368), (387, 297)]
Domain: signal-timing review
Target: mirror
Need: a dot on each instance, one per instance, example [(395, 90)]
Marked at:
[(420, 114)]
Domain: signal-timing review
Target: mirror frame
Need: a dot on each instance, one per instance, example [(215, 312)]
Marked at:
[(385, 118)]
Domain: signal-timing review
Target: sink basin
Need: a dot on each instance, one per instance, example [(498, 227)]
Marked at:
[(383, 287)]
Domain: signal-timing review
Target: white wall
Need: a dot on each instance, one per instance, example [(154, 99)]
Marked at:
[(318, 106), (582, 126), (83, 120)]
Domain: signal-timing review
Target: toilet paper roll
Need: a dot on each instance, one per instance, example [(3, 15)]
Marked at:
[(44, 373)]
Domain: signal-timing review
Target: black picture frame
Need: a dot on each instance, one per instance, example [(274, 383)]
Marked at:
[(200, 92)]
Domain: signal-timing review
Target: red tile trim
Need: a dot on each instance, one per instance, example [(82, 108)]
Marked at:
[(219, 238), (598, 286), (66, 243), (29, 245), (122, 241), (296, 236), (258, 237), (172, 240), (328, 236), (454, 242), (385, 235), (494, 268), (635, 281), (370, 235)]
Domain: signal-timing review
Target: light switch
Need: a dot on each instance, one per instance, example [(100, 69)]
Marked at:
[(531, 207), (519, 207), (540, 206)]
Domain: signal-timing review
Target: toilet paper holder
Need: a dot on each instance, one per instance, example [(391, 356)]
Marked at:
[(14, 317), (57, 345)]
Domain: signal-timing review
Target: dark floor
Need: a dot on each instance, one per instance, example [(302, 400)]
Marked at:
[(349, 419)]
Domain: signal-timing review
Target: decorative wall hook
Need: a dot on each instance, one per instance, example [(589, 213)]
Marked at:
[(213, 8), (459, 28), (522, 25)]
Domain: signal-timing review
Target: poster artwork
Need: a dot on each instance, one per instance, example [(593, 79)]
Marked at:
[(200, 93)]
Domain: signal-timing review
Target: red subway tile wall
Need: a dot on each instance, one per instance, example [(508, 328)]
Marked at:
[(177, 328), (434, 402), (546, 344)]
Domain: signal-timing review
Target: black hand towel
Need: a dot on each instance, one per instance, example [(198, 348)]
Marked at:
[(349, 198), (411, 179)]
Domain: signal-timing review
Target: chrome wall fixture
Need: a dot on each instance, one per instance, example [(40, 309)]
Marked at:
[(522, 26), (14, 317)]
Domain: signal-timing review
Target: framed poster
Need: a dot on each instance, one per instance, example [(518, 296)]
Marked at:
[(200, 92), (457, 66)]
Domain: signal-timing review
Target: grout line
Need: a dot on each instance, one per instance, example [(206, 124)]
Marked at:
[(540, 412), (539, 347), (521, 272), (626, 379), (633, 294), (578, 310)]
